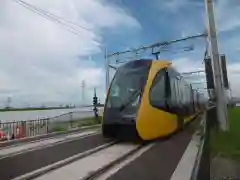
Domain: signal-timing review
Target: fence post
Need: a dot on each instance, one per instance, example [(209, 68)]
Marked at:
[(71, 119), (30, 127), (47, 124), (25, 128)]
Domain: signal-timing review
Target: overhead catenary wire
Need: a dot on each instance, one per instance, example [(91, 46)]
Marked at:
[(54, 21), (52, 17), (165, 43)]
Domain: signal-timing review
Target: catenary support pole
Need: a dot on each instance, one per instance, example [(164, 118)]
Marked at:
[(107, 69), (216, 64)]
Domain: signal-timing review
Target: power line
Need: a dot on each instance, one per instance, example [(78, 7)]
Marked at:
[(58, 17), (50, 16), (72, 30), (192, 72), (165, 43)]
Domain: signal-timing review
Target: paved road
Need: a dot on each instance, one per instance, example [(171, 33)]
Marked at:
[(8, 151), (12, 167), (160, 161)]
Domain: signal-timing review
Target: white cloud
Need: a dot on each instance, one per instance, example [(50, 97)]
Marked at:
[(41, 62), (174, 6), (227, 21), (227, 13), (233, 76), (187, 65)]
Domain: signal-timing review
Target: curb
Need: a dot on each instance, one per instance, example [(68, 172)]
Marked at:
[(188, 165), (197, 164)]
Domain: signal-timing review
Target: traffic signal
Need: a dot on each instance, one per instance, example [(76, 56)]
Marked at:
[(209, 73), (95, 100)]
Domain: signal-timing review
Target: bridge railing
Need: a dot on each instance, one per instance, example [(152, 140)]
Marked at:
[(28, 128)]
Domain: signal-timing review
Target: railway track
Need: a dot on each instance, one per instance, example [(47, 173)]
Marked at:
[(31, 160), (109, 169), (92, 164), (97, 158)]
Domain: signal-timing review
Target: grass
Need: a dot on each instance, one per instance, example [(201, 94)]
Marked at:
[(32, 109), (64, 126), (88, 121), (40, 108), (59, 128), (227, 144)]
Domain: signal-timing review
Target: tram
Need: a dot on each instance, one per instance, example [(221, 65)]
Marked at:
[(148, 99)]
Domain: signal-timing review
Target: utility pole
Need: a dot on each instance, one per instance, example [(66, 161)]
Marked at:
[(230, 91), (216, 64), (9, 100), (107, 69), (83, 90)]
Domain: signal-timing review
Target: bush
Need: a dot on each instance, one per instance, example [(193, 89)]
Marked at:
[(59, 128), (88, 121)]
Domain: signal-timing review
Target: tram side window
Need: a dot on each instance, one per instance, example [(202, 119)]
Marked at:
[(187, 93), (157, 94), (174, 94), (178, 85), (181, 88), (178, 97)]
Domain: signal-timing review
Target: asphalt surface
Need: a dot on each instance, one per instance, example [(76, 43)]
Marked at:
[(14, 166), (160, 161)]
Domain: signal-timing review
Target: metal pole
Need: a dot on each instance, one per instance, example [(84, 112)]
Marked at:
[(106, 68), (230, 88), (83, 90), (219, 90)]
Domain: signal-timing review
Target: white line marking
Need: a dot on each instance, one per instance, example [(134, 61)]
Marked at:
[(13, 151), (81, 168), (116, 168), (62, 162), (187, 162)]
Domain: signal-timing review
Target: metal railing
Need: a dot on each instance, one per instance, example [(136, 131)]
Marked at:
[(28, 128)]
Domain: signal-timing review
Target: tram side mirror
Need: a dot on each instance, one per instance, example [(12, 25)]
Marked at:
[(164, 105), (170, 107), (159, 104), (167, 104)]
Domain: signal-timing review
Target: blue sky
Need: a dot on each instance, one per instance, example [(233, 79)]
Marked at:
[(166, 20), (159, 23), (43, 63), (173, 19)]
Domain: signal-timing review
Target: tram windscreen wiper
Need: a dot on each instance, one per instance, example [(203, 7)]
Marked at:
[(131, 98)]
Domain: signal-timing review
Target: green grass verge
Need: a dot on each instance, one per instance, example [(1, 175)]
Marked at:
[(227, 144), (59, 128), (89, 121), (31, 109), (64, 126)]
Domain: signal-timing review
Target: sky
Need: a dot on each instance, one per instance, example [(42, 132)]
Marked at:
[(42, 62)]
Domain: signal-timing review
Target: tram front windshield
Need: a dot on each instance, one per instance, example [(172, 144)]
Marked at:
[(127, 85)]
